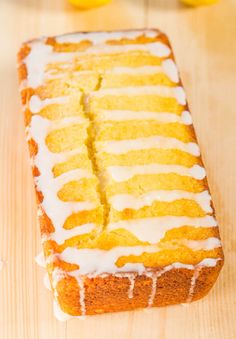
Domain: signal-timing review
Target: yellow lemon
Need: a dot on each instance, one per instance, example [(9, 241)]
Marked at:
[(199, 2), (86, 4)]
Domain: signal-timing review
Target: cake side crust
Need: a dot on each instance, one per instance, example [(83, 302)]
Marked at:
[(101, 294)]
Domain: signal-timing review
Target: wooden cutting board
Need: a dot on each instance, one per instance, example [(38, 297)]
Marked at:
[(205, 47)]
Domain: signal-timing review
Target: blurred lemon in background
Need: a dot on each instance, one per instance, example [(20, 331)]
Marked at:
[(86, 4), (199, 2)]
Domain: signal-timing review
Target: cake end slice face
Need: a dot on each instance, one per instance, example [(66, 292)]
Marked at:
[(124, 207)]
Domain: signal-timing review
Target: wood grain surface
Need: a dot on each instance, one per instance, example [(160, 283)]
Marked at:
[(205, 48)]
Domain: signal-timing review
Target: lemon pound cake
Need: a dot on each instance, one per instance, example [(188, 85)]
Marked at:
[(125, 212)]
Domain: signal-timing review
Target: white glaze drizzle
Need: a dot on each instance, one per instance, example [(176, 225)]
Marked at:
[(193, 283), (131, 278), (123, 201), (36, 104), (61, 235), (153, 229), (57, 183), (118, 115), (46, 282), (41, 55), (57, 158), (82, 295), (40, 127), (186, 118), (204, 244), (124, 146), (207, 262), (165, 91), (167, 67), (123, 173), (39, 210), (154, 276), (102, 37), (158, 49), (40, 260), (171, 70), (57, 275), (96, 262), (58, 211)]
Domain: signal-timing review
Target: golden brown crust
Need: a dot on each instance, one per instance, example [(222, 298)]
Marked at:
[(46, 226), (110, 294), (66, 47), (23, 52)]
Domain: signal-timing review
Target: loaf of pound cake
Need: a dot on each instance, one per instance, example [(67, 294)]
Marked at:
[(124, 207)]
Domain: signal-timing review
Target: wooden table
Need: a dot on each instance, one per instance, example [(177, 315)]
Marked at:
[(205, 47)]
